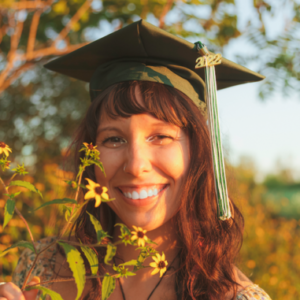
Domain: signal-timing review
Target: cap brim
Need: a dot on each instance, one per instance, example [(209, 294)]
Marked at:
[(143, 40)]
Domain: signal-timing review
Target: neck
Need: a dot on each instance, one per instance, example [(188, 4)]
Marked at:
[(166, 239)]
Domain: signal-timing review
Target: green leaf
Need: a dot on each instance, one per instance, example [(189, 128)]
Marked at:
[(110, 253), (11, 196), (57, 201), (108, 286), (76, 265), (68, 211), (99, 164), (132, 262), (150, 242), (8, 211), (26, 185), (92, 258), (97, 226), (18, 244), (124, 228), (52, 294), (107, 200)]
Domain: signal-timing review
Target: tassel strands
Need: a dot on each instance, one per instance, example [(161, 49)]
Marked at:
[(210, 60)]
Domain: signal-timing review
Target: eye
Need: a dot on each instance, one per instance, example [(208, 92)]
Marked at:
[(113, 142), (160, 139)]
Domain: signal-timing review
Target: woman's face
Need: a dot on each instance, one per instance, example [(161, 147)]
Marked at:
[(145, 161)]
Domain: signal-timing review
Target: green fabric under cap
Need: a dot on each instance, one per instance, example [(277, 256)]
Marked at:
[(141, 50), (123, 70)]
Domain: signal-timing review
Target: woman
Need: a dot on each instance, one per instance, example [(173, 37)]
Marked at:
[(155, 147)]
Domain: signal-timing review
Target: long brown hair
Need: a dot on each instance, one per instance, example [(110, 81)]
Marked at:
[(209, 246)]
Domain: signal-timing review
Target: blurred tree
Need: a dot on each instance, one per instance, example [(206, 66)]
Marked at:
[(39, 109), (270, 252)]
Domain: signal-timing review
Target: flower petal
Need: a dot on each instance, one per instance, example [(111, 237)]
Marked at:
[(153, 264), (104, 196), (162, 271), (155, 271), (158, 256), (98, 201), (135, 228), (155, 259), (163, 256), (89, 195)]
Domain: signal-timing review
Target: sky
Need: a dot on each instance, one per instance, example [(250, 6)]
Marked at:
[(266, 131)]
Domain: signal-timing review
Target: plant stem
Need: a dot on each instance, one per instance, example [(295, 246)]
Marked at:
[(78, 187), (27, 226), (89, 245), (12, 177), (65, 280), (21, 217)]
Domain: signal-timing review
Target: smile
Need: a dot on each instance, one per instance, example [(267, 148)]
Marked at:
[(142, 193)]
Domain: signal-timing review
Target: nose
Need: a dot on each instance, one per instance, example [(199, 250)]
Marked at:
[(138, 159)]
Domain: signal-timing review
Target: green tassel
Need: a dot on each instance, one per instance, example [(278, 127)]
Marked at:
[(223, 202)]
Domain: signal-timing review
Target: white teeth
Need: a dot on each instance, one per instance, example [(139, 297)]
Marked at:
[(135, 195), (143, 194)]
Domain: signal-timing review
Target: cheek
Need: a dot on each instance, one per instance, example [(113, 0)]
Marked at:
[(173, 161), (112, 161)]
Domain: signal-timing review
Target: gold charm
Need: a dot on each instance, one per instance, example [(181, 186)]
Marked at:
[(208, 60)]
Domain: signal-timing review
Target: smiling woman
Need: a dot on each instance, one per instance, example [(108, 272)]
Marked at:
[(148, 120)]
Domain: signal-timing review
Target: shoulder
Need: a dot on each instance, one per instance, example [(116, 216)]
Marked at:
[(247, 289), (44, 265), (252, 292)]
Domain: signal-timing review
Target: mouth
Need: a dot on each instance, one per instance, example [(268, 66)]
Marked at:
[(141, 193)]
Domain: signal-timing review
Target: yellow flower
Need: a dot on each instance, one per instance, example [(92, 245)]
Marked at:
[(139, 235), (4, 149), (160, 264), (96, 191), (89, 148)]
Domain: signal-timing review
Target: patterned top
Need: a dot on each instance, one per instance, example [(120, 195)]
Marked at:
[(46, 262)]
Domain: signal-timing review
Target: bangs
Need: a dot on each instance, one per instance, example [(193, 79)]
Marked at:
[(162, 102)]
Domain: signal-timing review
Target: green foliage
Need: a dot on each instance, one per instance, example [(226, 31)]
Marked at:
[(57, 201), (52, 294), (76, 265), (92, 258), (125, 234), (110, 253), (101, 234), (108, 286), (26, 185), (20, 169), (8, 211), (122, 271), (18, 244)]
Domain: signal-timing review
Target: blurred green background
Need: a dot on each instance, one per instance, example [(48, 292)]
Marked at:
[(39, 111)]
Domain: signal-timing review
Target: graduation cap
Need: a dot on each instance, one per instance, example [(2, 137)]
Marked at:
[(141, 51)]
